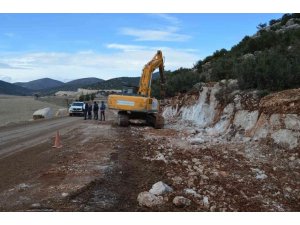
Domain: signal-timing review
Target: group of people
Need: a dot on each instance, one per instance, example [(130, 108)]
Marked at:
[(89, 108)]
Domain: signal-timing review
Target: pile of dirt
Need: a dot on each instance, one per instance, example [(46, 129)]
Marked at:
[(287, 101)]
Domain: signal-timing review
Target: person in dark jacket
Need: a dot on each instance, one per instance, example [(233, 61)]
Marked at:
[(85, 111), (95, 110), (102, 111), (90, 108)]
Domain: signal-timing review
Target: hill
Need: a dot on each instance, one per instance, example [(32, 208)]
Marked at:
[(116, 83), (72, 85), (12, 89), (268, 60), (39, 84), (83, 82)]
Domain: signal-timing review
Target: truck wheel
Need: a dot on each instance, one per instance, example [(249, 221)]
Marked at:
[(123, 120)]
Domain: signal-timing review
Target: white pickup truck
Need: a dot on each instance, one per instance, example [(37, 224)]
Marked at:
[(76, 108)]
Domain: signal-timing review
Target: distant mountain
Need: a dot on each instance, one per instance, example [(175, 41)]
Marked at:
[(84, 81), (116, 83), (40, 84), (12, 89), (73, 85)]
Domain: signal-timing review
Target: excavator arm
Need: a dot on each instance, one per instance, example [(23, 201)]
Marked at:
[(145, 81)]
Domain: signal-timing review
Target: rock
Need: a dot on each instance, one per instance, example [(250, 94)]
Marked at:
[(22, 187), (292, 122), (245, 119), (192, 192), (292, 158), (181, 201), (205, 201), (191, 182), (286, 137), (177, 180), (204, 177), (195, 160), (148, 199), (275, 121), (43, 113), (196, 141), (36, 205), (64, 194), (213, 208), (160, 188), (160, 157), (260, 174)]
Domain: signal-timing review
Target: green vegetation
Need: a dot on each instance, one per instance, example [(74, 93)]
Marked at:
[(269, 61)]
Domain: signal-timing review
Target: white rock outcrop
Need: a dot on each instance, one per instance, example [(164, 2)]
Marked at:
[(286, 137), (244, 118)]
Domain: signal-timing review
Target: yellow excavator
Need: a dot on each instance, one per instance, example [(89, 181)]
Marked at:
[(141, 105)]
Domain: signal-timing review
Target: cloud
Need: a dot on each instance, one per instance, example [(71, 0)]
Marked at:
[(5, 78), (127, 60), (168, 32), (125, 48), (171, 19), (7, 66)]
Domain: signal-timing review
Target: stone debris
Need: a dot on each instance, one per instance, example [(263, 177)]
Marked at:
[(160, 188), (181, 201), (230, 157), (205, 202), (64, 194), (191, 192), (23, 187), (148, 199), (36, 205)]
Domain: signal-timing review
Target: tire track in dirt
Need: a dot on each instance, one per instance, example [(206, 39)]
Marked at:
[(19, 137)]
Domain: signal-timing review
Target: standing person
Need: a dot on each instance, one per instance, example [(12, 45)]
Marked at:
[(85, 110), (90, 108), (95, 109), (102, 111)]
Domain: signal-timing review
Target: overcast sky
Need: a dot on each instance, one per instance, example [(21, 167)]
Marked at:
[(71, 46)]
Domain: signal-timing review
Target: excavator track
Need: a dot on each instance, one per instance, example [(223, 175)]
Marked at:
[(159, 121), (123, 119)]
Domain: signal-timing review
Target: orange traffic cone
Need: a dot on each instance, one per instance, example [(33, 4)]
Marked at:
[(57, 143)]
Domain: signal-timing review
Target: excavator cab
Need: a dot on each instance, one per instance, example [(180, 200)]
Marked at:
[(136, 102)]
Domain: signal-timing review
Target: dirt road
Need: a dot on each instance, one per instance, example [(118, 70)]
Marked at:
[(22, 136), (97, 169)]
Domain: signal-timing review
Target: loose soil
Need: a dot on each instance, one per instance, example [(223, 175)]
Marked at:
[(103, 167)]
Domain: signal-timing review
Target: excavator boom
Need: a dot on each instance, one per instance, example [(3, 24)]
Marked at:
[(145, 81)]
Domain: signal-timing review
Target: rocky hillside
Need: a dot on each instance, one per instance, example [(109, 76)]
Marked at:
[(237, 151), (267, 60), (223, 111)]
